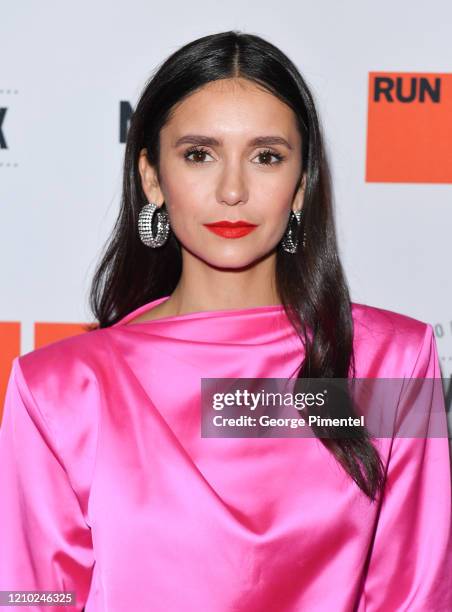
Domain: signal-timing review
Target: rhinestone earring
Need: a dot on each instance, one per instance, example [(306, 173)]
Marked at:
[(145, 220), (290, 238)]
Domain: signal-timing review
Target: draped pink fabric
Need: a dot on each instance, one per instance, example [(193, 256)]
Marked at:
[(108, 489)]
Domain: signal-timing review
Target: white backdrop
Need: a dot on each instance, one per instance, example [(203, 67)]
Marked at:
[(67, 66)]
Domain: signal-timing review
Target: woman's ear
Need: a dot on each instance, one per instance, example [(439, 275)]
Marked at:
[(299, 195), (149, 180)]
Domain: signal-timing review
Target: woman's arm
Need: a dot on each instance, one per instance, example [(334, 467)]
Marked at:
[(45, 543), (410, 565)]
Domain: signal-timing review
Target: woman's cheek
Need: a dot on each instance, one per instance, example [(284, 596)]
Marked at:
[(183, 221)]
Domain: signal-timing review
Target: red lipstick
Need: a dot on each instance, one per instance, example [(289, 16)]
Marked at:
[(231, 229)]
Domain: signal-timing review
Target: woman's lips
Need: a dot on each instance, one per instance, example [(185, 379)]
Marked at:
[(230, 230)]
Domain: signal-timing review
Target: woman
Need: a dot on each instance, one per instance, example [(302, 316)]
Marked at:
[(112, 492)]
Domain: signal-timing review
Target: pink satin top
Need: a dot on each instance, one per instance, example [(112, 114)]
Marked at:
[(109, 490)]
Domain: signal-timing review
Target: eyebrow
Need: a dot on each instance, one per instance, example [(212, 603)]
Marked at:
[(208, 140)]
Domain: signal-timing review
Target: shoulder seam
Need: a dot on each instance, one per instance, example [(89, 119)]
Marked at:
[(427, 337), (19, 374), (18, 370)]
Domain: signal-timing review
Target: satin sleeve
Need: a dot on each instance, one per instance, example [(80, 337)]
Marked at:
[(45, 543), (410, 565)]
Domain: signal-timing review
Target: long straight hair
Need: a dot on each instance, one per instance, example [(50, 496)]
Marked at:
[(311, 284)]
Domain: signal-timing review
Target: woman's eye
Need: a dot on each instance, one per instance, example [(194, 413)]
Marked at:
[(266, 155), (197, 152)]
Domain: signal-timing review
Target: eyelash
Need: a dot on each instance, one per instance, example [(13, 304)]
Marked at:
[(199, 149)]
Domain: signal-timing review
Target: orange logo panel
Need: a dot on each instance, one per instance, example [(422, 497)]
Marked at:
[(10, 348), (409, 128), (46, 333)]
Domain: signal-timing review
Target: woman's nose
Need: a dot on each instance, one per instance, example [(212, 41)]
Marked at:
[(232, 187)]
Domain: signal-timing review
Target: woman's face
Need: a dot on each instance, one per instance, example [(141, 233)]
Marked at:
[(211, 171)]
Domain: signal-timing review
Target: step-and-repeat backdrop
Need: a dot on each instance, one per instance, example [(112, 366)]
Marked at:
[(71, 74)]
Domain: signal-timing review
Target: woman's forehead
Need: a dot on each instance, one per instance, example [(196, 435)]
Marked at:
[(227, 111)]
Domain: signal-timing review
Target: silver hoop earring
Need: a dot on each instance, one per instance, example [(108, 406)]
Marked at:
[(289, 241), (145, 220)]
